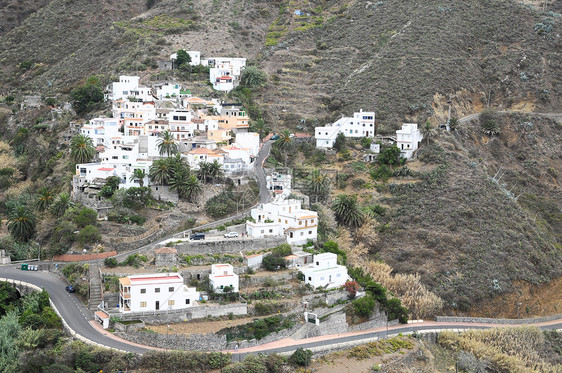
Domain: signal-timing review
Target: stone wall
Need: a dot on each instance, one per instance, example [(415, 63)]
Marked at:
[(232, 245), (485, 320), (201, 342), (254, 280), (196, 312)]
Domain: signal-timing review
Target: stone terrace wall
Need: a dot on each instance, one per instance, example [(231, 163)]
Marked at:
[(82, 258), (485, 320), (201, 342), (227, 246), (196, 312)]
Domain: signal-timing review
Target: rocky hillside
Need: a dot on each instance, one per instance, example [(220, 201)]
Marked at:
[(484, 214)]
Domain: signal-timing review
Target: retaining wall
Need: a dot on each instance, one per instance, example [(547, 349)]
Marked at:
[(83, 258), (196, 312), (232, 245), (486, 320)]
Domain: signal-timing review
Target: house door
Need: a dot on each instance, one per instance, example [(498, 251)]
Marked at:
[(157, 305)]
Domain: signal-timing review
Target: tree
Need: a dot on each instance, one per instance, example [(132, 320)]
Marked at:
[(389, 155), (284, 143), (260, 126), (215, 170), (318, 183), (161, 172), (340, 143), (111, 185), (347, 211), (44, 199), (204, 171), (186, 184), (61, 204), (82, 149), (139, 174), (397, 311), (453, 123), (183, 58), (428, 131), (8, 297), (87, 97), (167, 144), (253, 77), (21, 223)]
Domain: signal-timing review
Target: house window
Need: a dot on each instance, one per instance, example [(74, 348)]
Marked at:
[(317, 263), (171, 302), (114, 157), (262, 231), (143, 304), (309, 232), (187, 301), (322, 278), (271, 231), (339, 275), (309, 278), (171, 289), (300, 222), (157, 290), (143, 291)]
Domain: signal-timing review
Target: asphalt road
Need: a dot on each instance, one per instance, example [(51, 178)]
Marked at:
[(69, 305), (260, 172)]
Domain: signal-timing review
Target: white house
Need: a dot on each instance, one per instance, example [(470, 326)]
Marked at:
[(298, 225), (155, 292), (250, 141), (101, 130), (279, 184), (168, 91), (198, 155), (222, 275), (362, 124), (408, 139), (195, 57), (325, 271), (128, 86), (224, 83)]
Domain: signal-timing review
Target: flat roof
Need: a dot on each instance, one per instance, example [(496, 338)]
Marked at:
[(155, 278)]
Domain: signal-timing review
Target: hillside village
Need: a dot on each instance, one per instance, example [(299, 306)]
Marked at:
[(312, 191)]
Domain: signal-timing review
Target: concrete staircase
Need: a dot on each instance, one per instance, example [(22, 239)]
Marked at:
[(95, 286)]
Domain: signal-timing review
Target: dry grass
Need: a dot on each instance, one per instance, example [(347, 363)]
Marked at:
[(507, 349)]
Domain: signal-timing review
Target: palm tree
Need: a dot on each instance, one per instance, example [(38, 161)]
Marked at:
[(21, 223), (161, 172), (318, 183), (139, 174), (82, 149), (215, 170), (453, 123), (284, 143), (61, 204), (44, 199), (204, 171), (260, 127), (347, 211), (187, 185), (167, 144), (428, 131)]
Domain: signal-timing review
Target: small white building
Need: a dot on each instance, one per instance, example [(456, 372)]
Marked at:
[(325, 272), (222, 275), (408, 139), (195, 57), (224, 83), (362, 124), (279, 184), (128, 86), (168, 91), (155, 292)]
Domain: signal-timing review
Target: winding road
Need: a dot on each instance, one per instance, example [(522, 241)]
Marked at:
[(80, 321)]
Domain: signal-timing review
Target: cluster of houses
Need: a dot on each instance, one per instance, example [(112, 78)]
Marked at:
[(362, 124), (204, 131)]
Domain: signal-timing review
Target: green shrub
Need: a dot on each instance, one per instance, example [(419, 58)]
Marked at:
[(301, 357), (85, 217), (220, 205), (364, 306), (110, 262), (89, 234)]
